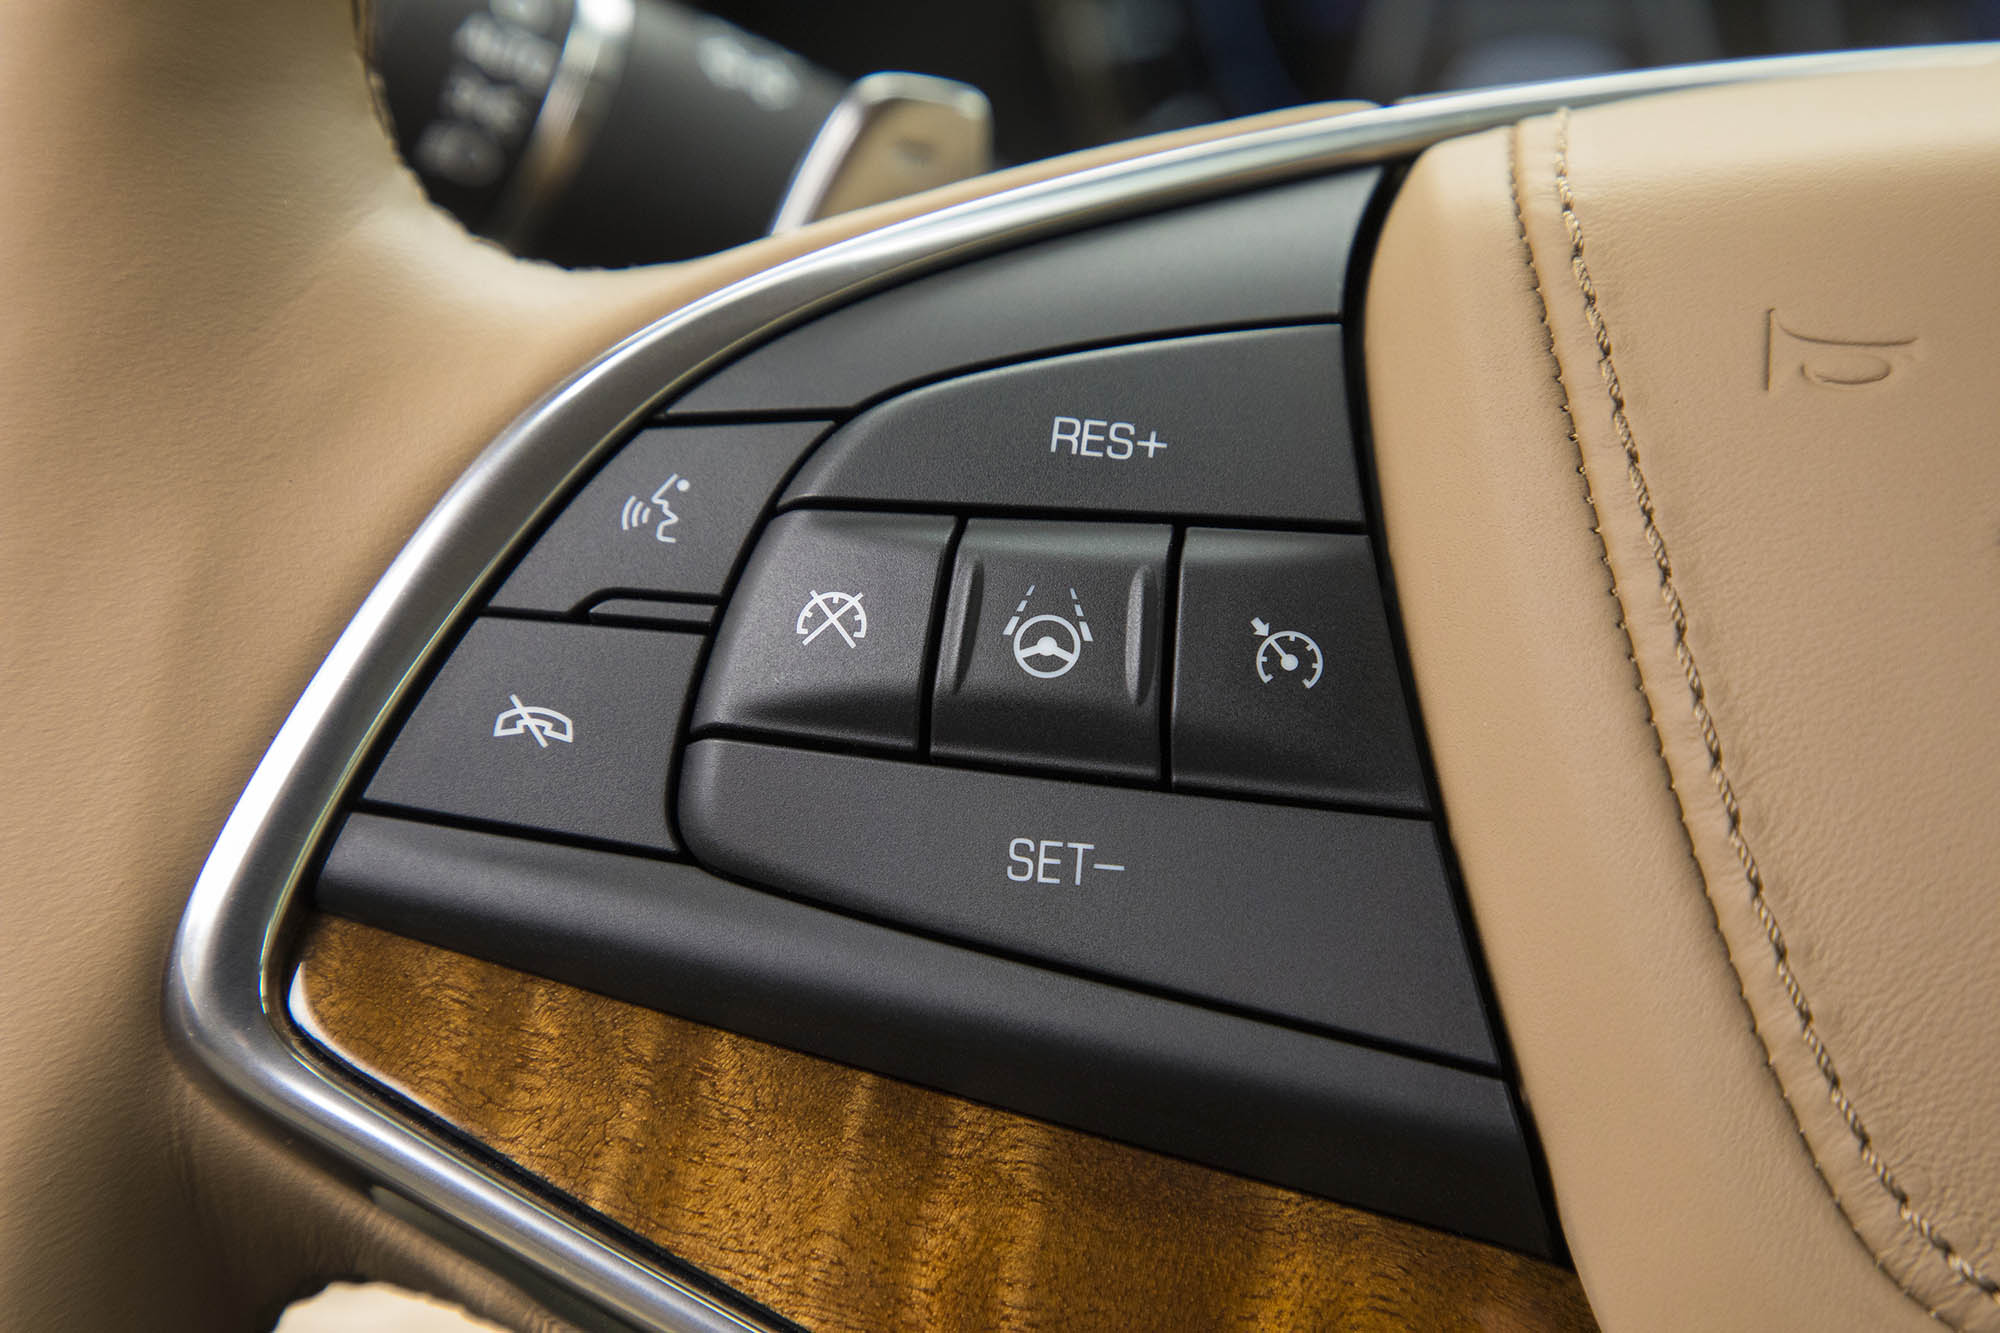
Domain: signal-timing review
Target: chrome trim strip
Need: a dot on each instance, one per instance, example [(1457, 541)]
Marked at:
[(225, 1003), (587, 70)]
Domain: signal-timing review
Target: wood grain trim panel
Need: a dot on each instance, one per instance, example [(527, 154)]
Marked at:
[(845, 1200)]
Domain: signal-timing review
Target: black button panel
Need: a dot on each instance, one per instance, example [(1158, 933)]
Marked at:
[(1049, 747), (1051, 650), (667, 516), (1276, 256), (826, 635), (1281, 681)]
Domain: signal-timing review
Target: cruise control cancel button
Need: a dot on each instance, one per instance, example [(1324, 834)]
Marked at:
[(825, 636), (1333, 920)]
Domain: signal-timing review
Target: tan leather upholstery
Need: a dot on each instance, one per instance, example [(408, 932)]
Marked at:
[(1685, 416), (240, 357)]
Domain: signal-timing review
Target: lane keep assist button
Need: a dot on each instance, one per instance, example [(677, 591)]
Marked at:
[(1051, 649)]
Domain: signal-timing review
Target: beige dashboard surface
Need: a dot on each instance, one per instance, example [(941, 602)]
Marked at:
[(240, 358), (1685, 414)]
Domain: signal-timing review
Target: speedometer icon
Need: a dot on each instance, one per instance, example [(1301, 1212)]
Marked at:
[(1287, 652)]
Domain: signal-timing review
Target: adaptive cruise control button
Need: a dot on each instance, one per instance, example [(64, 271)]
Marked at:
[(826, 632), (1226, 425), (665, 517), (563, 728), (1285, 682), (1050, 655)]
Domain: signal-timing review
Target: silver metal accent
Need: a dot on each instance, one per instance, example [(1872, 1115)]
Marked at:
[(593, 56), (889, 135), (225, 1000)]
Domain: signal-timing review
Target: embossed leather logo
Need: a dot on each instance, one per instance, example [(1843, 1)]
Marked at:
[(1791, 357)]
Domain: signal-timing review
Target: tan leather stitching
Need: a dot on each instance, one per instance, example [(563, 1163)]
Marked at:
[(1961, 1269), (1569, 430), (1638, 675), (1556, 374)]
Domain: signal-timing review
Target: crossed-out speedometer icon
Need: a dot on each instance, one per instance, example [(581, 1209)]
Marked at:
[(840, 612)]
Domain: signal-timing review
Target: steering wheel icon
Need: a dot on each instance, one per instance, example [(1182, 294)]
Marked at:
[(1034, 652)]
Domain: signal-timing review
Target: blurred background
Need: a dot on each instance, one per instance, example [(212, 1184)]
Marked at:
[(607, 132), (1065, 74)]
